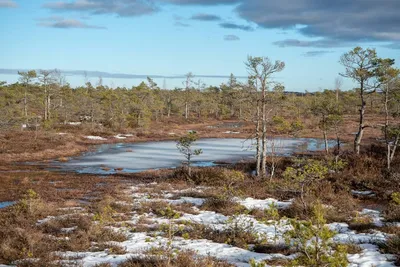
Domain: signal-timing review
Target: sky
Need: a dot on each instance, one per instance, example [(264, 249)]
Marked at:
[(205, 37)]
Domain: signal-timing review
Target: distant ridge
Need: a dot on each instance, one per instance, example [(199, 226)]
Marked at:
[(117, 75)]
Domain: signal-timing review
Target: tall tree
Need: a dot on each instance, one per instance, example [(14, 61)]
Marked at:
[(261, 69), (360, 66), (26, 78), (188, 83), (46, 78), (324, 107), (338, 85), (390, 88)]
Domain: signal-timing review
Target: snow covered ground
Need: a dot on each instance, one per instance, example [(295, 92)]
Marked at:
[(92, 137), (140, 242)]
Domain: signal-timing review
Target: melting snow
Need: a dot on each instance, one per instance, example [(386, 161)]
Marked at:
[(251, 203), (119, 136), (374, 215), (138, 243), (92, 137), (363, 193), (370, 256)]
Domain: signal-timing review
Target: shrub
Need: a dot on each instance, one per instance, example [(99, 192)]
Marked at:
[(280, 124), (223, 177), (392, 246), (223, 205), (304, 174), (313, 240), (240, 232), (361, 223), (182, 259), (104, 213), (296, 127), (392, 212), (273, 218), (30, 205)]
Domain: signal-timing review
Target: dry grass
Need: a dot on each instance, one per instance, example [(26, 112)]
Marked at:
[(23, 238), (222, 205), (392, 246), (183, 259), (273, 249), (392, 212), (236, 234)]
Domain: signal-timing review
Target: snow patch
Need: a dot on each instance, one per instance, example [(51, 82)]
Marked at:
[(370, 256), (363, 193), (191, 200), (375, 216), (74, 123), (251, 203), (231, 132), (92, 137)]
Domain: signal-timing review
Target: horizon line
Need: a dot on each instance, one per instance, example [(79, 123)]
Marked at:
[(103, 74)]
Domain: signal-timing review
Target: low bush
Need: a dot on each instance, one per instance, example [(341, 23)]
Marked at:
[(182, 259), (392, 246), (223, 205), (392, 211)]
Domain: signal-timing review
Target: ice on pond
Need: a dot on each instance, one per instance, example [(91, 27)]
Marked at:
[(136, 157), (6, 204)]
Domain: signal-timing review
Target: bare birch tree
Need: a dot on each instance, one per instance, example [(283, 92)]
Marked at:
[(261, 69), (26, 79), (390, 87), (46, 78), (188, 83)]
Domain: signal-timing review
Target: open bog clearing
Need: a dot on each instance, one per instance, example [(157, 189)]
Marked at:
[(136, 157)]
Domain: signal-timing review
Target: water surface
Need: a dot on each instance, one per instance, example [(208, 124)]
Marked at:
[(137, 157), (6, 204)]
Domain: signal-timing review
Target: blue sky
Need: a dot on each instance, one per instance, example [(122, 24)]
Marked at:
[(173, 37)]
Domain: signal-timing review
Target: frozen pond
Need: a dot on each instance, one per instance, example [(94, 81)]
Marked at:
[(136, 157), (6, 204)]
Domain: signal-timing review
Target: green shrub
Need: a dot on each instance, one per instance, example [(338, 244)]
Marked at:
[(304, 174), (313, 240), (280, 124)]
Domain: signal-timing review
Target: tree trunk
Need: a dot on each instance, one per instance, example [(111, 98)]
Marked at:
[(48, 107), (186, 110), (360, 133), (169, 108), (189, 167), (45, 103), (258, 144), (25, 106), (395, 144), (326, 142), (338, 146), (273, 159), (264, 136), (387, 128)]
